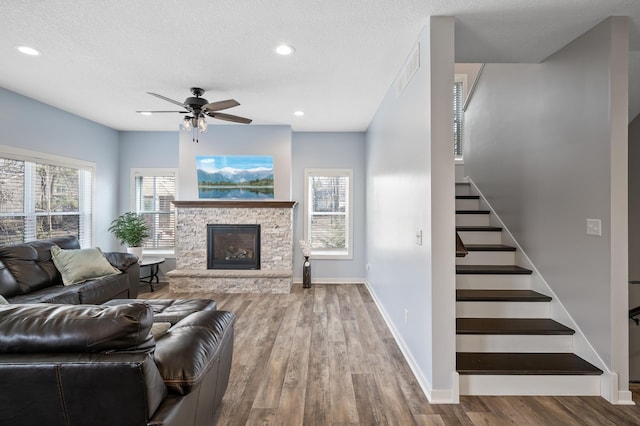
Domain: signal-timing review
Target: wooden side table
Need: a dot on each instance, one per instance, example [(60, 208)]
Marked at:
[(154, 267)]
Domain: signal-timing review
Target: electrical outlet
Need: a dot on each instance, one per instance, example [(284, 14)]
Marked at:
[(594, 227)]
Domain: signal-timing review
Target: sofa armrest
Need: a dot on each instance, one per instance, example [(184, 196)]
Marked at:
[(122, 261), (128, 264), (186, 353), (51, 328)]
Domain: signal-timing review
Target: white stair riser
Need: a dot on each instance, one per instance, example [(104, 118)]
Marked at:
[(502, 309), (513, 343), (493, 282), (487, 258), (480, 219), (562, 385), (467, 204), (480, 237), (463, 189)]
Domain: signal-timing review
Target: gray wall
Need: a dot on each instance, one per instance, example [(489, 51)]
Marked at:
[(330, 150), (410, 187), (151, 150), (540, 143), (237, 140), (32, 125)]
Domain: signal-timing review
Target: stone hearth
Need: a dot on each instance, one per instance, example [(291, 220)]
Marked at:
[(276, 259)]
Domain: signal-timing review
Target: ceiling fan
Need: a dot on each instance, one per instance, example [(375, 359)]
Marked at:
[(197, 108)]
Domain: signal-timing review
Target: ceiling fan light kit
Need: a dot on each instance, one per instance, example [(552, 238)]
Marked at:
[(198, 108)]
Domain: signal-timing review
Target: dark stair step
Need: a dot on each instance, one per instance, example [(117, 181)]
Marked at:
[(478, 229), (511, 326), (523, 364), (467, 197), (473, 211), (489, 247), (500, 296), (492, 269)]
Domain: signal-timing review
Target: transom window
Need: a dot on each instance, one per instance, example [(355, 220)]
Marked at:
[(44, 196), (328, 212)]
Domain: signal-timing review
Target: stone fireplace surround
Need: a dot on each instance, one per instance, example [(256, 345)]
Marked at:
[(276, 259)]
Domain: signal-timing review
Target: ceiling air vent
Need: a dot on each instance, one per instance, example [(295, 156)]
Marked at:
[(408, 70)]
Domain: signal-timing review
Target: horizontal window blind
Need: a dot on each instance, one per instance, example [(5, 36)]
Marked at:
[(328, 211), (457, 118), (40, 200), (154, 197)]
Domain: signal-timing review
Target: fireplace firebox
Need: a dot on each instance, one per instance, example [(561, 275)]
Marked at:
[(233, 246)]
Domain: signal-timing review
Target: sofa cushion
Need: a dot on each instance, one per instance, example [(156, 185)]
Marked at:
[(189, 349), (55, 294), (102, 289), (27, 267), (41, 328), (79, 265)]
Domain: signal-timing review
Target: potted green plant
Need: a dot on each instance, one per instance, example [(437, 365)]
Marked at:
[(131, 230)]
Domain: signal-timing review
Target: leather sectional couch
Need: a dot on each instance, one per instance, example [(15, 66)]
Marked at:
[(28, 275), (106, 368)]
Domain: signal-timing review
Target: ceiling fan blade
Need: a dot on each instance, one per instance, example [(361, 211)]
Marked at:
[(220, 105), (168, 100), (229, 117), (155, 112)]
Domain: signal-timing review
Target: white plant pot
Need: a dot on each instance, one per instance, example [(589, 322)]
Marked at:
[(135, 250)]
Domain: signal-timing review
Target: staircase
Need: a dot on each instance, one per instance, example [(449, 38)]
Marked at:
[(506, 342)]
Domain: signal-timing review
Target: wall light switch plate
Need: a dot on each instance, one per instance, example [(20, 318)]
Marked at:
[(594, 227)]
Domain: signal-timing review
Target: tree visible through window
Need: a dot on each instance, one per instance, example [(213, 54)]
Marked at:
[(40, 200), (328, 212)]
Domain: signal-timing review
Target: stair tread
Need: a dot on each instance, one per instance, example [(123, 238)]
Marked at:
[(500, 296), (489, 247), (523, 364), (467, 197), (478, 229), (463, 211), (492, 269), (511, 326)]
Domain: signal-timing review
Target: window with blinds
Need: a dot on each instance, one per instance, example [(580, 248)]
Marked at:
[(41, 198), (328, 210), (458, 106), (154, 192)]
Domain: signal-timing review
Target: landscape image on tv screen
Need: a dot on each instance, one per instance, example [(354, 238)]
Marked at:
[(235, 176)]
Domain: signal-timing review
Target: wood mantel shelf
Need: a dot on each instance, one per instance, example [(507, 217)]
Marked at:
[(227, 204)]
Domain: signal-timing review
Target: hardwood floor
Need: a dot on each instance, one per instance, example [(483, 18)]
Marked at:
[(324, 356)]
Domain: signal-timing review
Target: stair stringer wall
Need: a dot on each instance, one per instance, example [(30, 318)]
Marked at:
[(557, 311)]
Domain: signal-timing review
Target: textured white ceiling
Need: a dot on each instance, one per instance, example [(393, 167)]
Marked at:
[(99, 58)]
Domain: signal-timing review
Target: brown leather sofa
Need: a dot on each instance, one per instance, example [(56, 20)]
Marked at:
[(28, 275), (100, 365)]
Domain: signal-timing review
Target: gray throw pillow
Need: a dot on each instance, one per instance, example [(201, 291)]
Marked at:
[(79, 265)]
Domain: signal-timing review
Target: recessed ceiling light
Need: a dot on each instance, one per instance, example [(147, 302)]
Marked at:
[(28, 50), (284, 50), (299, 113)]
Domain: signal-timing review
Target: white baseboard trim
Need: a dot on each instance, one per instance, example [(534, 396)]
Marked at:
[(435, 396)]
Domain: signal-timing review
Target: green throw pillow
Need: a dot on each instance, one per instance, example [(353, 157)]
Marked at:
[(79, 265), (3, 301)]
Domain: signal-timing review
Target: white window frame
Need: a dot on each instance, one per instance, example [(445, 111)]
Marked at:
[(337, 253), (170, 253), (85, 209)]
